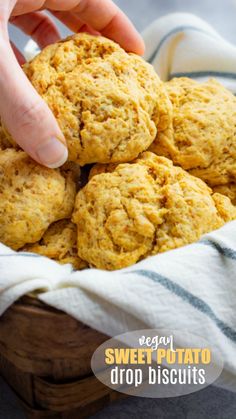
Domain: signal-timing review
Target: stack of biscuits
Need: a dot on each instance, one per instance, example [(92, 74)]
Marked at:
[(152, 165)]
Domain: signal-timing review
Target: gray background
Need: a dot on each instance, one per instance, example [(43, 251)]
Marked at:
[(211, 403), (220, 13)]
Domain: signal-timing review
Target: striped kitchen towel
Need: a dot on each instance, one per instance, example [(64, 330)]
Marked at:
[(183, 45), (192, 288)]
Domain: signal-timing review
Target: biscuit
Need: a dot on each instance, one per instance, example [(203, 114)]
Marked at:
[(32, 197), (59, 243), (109, 104), (228, 190), (97, 169), (202, 136), (144, 208)]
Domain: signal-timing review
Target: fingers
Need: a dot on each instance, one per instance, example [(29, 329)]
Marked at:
[(101, 15), (20, 57), (26, 115), (38, 26), (26, 6), (120, 30), (6, 8), (72, 21), (105, 17)]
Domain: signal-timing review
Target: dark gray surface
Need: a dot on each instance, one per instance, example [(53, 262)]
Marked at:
[(9, 407), (211, 403)]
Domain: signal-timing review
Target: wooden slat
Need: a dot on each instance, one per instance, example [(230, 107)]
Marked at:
[(45, 356), (58, 397), (43, 399), (20, 382), (46, 342), (78, 413)]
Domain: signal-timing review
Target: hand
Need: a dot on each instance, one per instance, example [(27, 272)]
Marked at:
[(24, 113)]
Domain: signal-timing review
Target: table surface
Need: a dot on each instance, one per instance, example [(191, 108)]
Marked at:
[(212, 402)]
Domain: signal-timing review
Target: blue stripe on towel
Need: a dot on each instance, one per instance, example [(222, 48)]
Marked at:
[(224, 251), (210, 73), (177, 30), (27, 255), (187, 296)]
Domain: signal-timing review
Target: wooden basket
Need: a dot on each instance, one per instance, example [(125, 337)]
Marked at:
[(45, 357)]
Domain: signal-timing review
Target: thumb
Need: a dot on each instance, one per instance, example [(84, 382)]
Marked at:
[(26, 116)]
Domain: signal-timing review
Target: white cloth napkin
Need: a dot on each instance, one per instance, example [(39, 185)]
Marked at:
[(192, 288), (182, 44)]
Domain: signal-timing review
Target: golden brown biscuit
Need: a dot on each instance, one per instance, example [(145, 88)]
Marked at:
[(144, 208), (59, 243), (228, 190), (108, 103), (97, 169), (202, 137), (32, 197)]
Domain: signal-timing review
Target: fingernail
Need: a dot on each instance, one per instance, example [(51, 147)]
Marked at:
[(52, 153)]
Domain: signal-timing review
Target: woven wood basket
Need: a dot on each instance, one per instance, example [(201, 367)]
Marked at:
[(45, 357)]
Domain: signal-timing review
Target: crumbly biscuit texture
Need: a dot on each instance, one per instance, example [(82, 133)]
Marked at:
[(59, 243), (228, 190), (108, 103), (202, 136), (32, 197), (144, 208), (97, 169)]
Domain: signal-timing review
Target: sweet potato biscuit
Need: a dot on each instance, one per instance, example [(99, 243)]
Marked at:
[(59, 243), (202, 137), (228, 190), (108, 103), (97, 169), (143, 208), (32, 197)]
